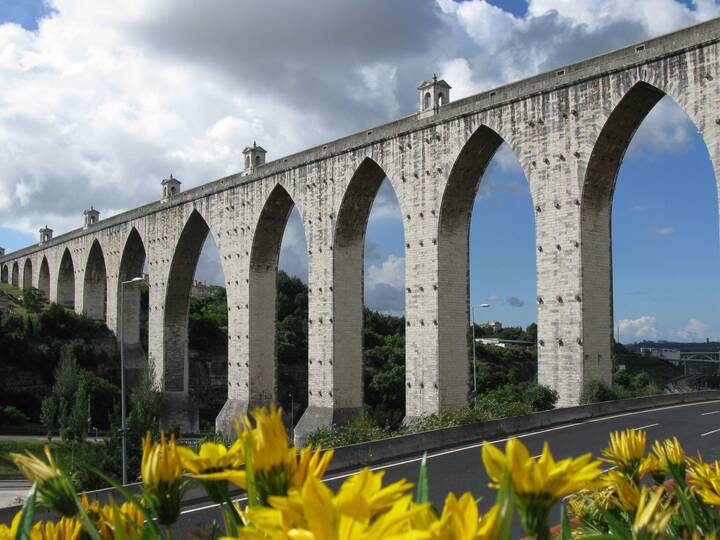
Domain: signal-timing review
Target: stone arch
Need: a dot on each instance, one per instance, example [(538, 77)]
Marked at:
[(348, 278), (262, 288), (44, 278), (27, 274), (65, 289), (598, 190), (454, 340), (5, 273), (177, 301), (95, 284), (132, 262), (15, 275)]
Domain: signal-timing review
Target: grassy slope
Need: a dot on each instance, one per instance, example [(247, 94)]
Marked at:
[(7, 467)]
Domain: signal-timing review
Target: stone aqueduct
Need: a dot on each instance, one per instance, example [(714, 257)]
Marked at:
[(569, 129)]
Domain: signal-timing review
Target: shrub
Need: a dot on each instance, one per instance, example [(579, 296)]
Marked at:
[(596, 391), (11, 417)]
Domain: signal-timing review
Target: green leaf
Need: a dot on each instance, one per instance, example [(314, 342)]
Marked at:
[(564, 523), (250, 476), (617, 528), (423, 484), (28, 515), (87, 524), (506, 501)]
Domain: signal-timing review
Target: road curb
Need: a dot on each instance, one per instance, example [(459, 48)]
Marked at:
[(369, 453)]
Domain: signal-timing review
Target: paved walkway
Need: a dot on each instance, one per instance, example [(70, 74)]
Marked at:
[(13, 491)]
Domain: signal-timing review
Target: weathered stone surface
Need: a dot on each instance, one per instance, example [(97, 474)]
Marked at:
[(569, 129)]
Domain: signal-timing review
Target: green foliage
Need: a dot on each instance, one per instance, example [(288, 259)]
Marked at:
[(11, 417), (292, 343), (498, 366), (384, 368), (32, 346), (515, 400), (362, 429), (596, 391), (69, 407), (627, 384), (145, 403), (7, 467), (509, 400), (208, 321), (32, 299), (516, 333)]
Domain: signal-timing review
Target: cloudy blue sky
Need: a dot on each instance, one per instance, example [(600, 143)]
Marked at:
[(98, 103)]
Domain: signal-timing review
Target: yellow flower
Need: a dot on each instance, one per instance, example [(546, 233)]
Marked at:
[(363, 496), (9, 533), (542, 477), (625, 492), (161, 471), (215, 465), (318, 515), (126, 518), (55, 488), (160, 462), (626, 451), (108, 518), (655, 467), (34, 468), (578, 503), (460, 520), (652, 514), (704, 480), (311, 463), (671, 454), (277, 466), (268, 439), (538, 483), (64, 529)]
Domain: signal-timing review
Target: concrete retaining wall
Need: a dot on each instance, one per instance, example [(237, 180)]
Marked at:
[(359, 455)]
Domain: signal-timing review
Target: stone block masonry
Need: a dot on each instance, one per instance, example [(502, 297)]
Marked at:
[(569, 129)]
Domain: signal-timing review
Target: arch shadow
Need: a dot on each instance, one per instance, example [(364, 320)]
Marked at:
[(132, 262), (27, 274), (66, 281), (95, 284), (262, 291), (348, 282), (44, 278), (15, 279)]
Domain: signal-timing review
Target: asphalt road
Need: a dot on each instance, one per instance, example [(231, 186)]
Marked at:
[(460, 469)]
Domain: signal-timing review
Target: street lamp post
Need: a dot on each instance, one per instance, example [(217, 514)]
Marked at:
[(123, 431), (472, 313)]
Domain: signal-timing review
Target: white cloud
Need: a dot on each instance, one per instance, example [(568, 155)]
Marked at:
[(644, 327), (666, 129), (384, 285), (661, 231), (385, 205), (390, 272), (102, 102), (293, 250), (696, 330)]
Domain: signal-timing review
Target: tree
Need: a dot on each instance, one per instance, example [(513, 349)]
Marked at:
[(32, 299)]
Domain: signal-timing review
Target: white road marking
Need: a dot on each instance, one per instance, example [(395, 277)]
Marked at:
[(709, 432), (479, 445), (645, 427), (711, 412)]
